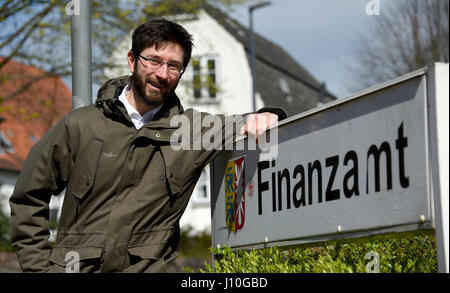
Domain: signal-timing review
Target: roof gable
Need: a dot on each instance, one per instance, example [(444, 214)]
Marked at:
[(274, 66)]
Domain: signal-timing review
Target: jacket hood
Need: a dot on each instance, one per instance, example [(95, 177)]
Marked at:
[(108, 99), (110, 88)]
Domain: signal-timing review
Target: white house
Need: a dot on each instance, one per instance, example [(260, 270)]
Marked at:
[(219, 80)]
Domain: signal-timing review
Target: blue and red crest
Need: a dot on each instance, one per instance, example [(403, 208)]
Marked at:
[(235, 194)]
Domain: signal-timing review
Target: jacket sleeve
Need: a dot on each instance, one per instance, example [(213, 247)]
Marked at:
[(278, 111), (45, 173), (231, 126)]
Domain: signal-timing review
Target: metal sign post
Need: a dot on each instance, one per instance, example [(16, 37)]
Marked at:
[(81, 53), (369, 164), (439, 151)]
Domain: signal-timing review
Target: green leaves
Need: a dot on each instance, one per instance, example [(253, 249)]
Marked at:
[(413, 253), (5, 227)]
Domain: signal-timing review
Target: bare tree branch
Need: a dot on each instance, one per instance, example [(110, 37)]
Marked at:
[(409, 35)]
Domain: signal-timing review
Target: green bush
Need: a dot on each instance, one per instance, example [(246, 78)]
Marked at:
[(194, 245), (5, 226), (412, 253)]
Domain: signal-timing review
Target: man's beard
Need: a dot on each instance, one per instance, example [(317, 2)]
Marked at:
[(153, 98)]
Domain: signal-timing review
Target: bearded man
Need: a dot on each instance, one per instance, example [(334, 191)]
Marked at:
[(126, 186)]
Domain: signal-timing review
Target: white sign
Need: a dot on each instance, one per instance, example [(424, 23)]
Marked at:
[(355, 167)]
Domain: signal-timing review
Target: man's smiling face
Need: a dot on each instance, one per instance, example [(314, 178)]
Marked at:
[(153, 85)]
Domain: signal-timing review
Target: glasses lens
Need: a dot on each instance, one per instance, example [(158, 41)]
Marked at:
[(153, 63)]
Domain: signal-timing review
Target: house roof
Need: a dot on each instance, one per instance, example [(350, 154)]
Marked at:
[(27, 115), (280, 80)]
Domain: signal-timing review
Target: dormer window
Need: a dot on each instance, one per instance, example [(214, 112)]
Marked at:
[(284, 86)]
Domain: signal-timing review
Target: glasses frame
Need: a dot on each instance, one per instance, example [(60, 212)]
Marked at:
[(180, 68)]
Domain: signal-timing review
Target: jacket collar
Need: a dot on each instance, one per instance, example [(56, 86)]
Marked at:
[(107, 99)]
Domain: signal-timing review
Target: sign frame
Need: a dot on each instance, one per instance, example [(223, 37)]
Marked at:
[(435, 81)]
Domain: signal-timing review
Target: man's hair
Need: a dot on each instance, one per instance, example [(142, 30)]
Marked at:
[(158, 32)]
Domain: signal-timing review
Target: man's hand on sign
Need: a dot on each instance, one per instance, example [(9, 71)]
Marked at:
[(257, 124)]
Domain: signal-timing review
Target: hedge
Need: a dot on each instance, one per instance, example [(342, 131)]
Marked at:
[(407, 253)]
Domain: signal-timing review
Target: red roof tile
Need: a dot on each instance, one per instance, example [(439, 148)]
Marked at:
[(31, 113)]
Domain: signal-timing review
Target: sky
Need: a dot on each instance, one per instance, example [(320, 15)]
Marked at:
[(321, 35)]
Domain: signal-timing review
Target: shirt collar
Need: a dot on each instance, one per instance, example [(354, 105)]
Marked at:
[(136, 118)]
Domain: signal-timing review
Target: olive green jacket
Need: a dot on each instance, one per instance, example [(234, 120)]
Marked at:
[(125, 189)]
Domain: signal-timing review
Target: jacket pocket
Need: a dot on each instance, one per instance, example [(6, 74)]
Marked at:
[(85, 169), (150, 244), (77, 252), (75, 260), (172, 168)]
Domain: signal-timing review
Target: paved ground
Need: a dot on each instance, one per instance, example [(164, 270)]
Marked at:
[(9, 264)]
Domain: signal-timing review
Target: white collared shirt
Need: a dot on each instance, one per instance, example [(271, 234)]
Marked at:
[(136, 118)]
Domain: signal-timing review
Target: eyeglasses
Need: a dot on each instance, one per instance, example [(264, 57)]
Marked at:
[(154, 63)]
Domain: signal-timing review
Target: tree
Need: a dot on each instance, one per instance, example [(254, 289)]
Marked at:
[(37, 32), (410, 34)]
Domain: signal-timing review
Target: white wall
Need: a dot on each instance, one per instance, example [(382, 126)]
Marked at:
[(7, 183)]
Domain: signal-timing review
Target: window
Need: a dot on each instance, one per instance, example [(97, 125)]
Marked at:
[(196, 79), (211, 75), (201, 193), (284, 86), (204, 79), (5, 144)]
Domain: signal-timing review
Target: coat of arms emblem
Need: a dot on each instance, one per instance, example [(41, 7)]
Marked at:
[(235, 194)]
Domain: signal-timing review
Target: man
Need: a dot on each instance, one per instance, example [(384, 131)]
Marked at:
[(127, 186)]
